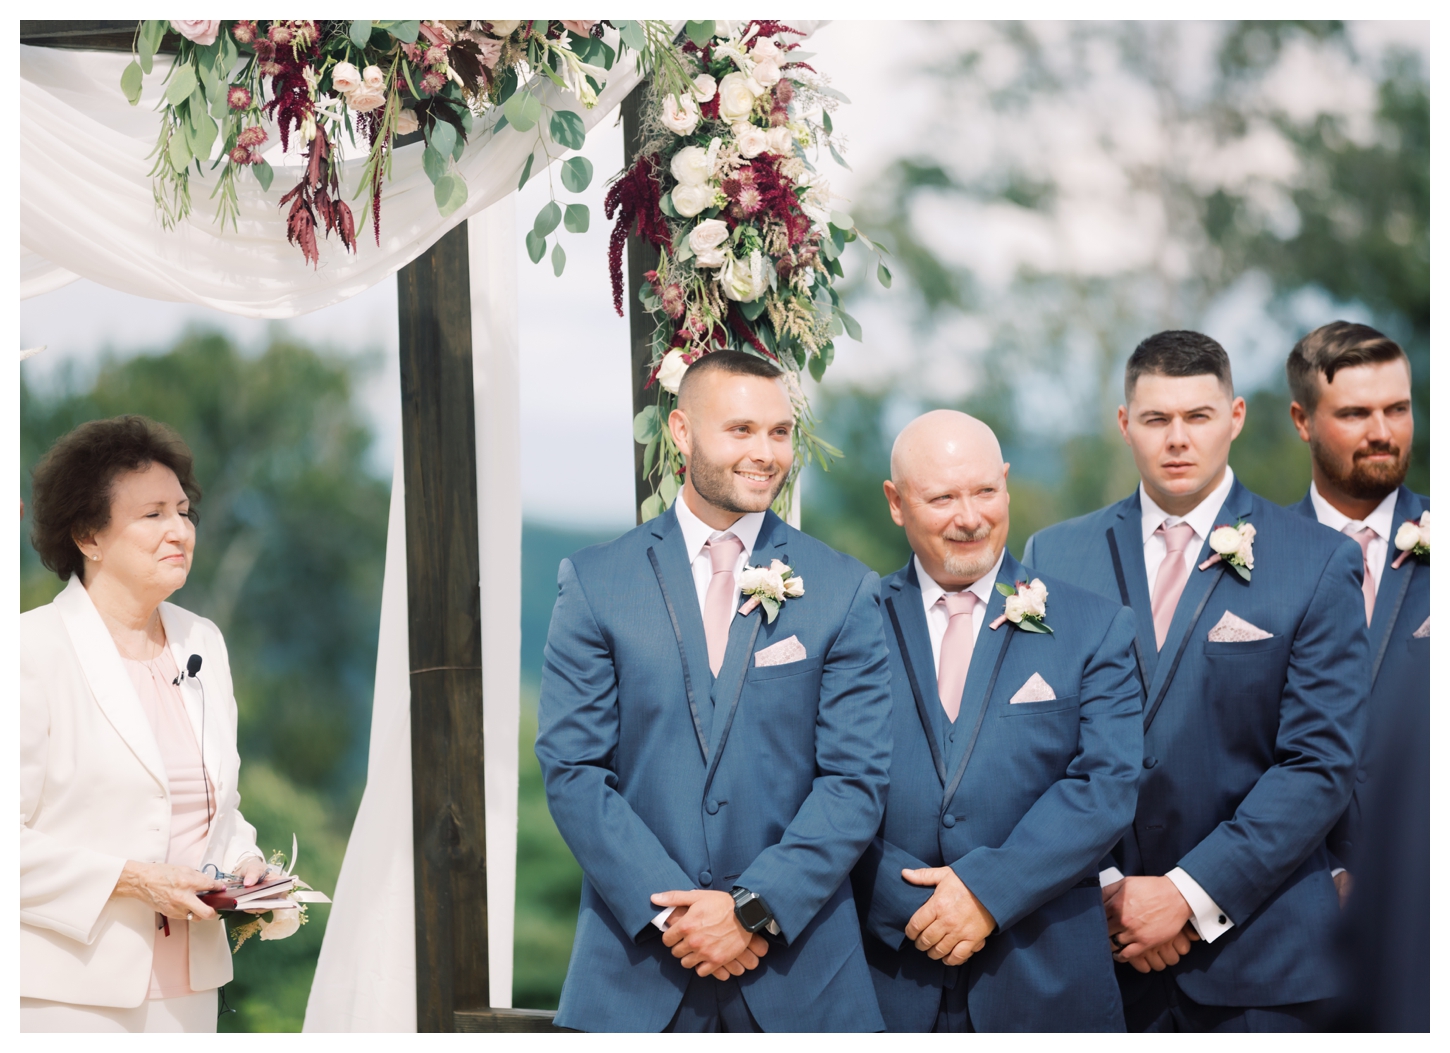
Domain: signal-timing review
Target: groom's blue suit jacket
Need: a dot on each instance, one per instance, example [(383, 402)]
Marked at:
[(1398, 659), (663, 777), (1250, 748), (1021, 800)]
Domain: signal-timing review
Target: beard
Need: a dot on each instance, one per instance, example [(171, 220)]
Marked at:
[(969, 567), (715, 482), (1360, 479)]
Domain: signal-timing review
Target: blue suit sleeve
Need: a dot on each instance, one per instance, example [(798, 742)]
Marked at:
[(1322, 712), (841, 814), (893, 899), (578, 736), (1072, 826)]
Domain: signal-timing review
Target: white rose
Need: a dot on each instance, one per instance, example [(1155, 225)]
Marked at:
[(743, 280), (766, 74), (782, 141), (692, 200), (1407, 537), (1036, 598), (1015, 608), (795, 587), (505, 27), (407, 122), (706, 241), (365, 100), (766, 50), (372, 77), (1425, 525), (1226, 541), (750, 140), (705, 87), (346, 78), (680, 117), (754, 580), (737, 96), (693, 166), (672, 371)]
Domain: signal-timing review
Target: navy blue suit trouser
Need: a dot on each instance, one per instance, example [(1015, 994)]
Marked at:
[(1164, 1007)]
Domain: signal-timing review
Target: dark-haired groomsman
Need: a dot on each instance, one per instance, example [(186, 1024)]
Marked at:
[(1253, 714), (1351, 388)]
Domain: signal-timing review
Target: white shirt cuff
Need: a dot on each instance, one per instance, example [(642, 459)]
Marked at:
[(1336, 872), (662, 917), (1109, 876), (1208, 919)]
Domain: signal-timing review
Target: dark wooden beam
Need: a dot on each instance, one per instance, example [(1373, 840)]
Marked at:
[(513, 1020), (445, 639), (638, 259), (80, 35)]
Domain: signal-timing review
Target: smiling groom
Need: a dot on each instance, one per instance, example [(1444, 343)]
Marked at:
[(717, 773)]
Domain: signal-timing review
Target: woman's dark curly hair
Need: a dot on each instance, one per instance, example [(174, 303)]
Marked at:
[(70, 495)]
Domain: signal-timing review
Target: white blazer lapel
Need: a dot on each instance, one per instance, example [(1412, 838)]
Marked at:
[(186, 635), (107, 677)]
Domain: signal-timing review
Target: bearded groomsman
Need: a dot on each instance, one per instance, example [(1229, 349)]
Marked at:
[(724, 761), (1351, 388), (1017, 737), (1253, 715)]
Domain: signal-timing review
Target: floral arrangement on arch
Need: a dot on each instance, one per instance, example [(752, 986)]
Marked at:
[(234, 86), (724, 189)]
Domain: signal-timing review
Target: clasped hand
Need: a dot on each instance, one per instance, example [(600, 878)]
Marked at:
[(1148, 922), (706, 936), (952, 925)]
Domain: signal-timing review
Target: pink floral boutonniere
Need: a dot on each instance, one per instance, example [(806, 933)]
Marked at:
[(1233, 545), (1413, 539), (1026, 606)]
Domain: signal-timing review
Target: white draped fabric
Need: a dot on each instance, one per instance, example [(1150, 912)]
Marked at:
[(86, 207)]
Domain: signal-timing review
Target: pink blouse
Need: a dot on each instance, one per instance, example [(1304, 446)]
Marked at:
[(166, 711)]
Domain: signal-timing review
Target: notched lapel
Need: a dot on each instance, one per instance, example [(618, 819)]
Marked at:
[(207, 722), (1393, 584), (677, 588), (909, 628), (1128, 537)]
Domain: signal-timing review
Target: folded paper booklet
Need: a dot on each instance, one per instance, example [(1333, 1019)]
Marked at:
[(268, 894)]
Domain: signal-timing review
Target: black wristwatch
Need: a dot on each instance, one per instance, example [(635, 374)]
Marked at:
[(754, 915)]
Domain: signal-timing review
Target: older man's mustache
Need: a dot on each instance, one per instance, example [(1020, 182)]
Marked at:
[(980, 534)]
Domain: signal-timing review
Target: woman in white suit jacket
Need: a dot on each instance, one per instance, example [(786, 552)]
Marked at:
[(105, 744)]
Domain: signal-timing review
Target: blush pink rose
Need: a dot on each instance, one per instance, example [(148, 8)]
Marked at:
[(364, 100), (197, 31)]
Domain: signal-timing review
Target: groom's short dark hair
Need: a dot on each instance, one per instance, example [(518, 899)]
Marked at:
[(733, 363), (1331, 348), (1178, 353)]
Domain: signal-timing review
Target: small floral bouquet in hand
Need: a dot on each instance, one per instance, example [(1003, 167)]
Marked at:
[(274, 908), (1413, 539)]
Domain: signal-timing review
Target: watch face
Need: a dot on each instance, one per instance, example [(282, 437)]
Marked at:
[(753, 913)]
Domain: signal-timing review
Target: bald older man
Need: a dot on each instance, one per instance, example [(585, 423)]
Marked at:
[(1017, 739)]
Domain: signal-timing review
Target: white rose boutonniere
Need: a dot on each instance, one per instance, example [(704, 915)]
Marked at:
[(1413, 539), (1233, 545), (769, 587), (1026, 606)]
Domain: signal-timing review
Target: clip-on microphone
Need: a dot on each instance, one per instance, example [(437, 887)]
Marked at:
[(193, 667)]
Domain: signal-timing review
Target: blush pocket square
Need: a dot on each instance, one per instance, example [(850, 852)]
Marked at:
[(1233, 629), (782, 652), (1035, 690), (1423, 632)]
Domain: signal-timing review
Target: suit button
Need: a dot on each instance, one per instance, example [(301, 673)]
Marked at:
[(949, 821), (1361, 777), (712, 806), (705, 878), (1150, 762)]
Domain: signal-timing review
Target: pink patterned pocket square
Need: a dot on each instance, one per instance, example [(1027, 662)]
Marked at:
[(1423, 632), (1035, 690), (1233, 629), (782, 653)]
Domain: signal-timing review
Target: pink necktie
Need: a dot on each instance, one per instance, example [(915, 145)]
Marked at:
[(720, 596), (956, 650), (1172, 576), (1364, 536)]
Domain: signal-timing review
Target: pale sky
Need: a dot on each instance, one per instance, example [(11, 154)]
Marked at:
[(577, 453)]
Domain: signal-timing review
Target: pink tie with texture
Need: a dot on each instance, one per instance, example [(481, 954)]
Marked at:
[(1364, 536), (1172, 576), (720, 596), (956, 650)]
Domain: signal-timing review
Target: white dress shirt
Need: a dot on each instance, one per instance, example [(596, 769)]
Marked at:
[(697, 533), (1208, 919), (1381, 521), (936, 614)]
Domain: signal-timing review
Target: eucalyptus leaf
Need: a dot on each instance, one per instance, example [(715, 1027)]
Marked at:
[(441, 136), (178, 151), (263, 171), (883, 275), (576, 173), (667, 206), (700, 32), (183, 83), (843, 220), (522, 110), (131, 82), (669, 487), (839, 159), (826, 122), (651, 448), (576, 219), (148, 40), (557, 259), (1005, 589), (651, 507), (772, 608), (434, 165), (753, 309), (535, 245), (567, 129), (360, 31), (631, 35), (646, 424), (407, 32), (853, 327), (817, 366), (450, 192), (528, 168), (547, 219), (833, 93), (458, 144)]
